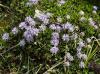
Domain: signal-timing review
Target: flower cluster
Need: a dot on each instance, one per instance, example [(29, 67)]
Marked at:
[(54, 42), (68, 31), (68, 59), (68, 26), (42, 16)]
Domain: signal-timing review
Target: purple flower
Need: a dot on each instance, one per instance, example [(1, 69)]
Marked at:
[(33, 1), (33, 31), (55, 35), (68, 26), (69, 57), (84, 56), (55, 42), (30, 33), (41, 16), (22, 43), (58, 28), (23, 25), (81, 44), (79, 55), (81, 64), (30, 21), (65, 37), (28, 36), (53, 27), (5, 37), (15, 30), (79, 49), (46, 21), (54, 50)]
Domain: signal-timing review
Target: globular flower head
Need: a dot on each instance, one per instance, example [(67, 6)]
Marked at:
[(79, 55), (33, 31), (36, 31), (53, 27), (81, 64), (46, 21), (79, 49), (41, 16), (22, 43), (65, 37), (5, 37), (55, 35), (30, 20), (84, 56), (68, 26), (15, 30), (69, 56), (23, 25), (28, 36), (81, 44), (58, 28), (54, 50), (55, 42)]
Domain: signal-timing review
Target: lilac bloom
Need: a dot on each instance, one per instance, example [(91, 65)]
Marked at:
[(22, 43), (54, 50), (55, 42), (5, 37), (23, 25), (55, 35), (15, 30), (28, 36), (30, 21), (53, 27), (65, 37)]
